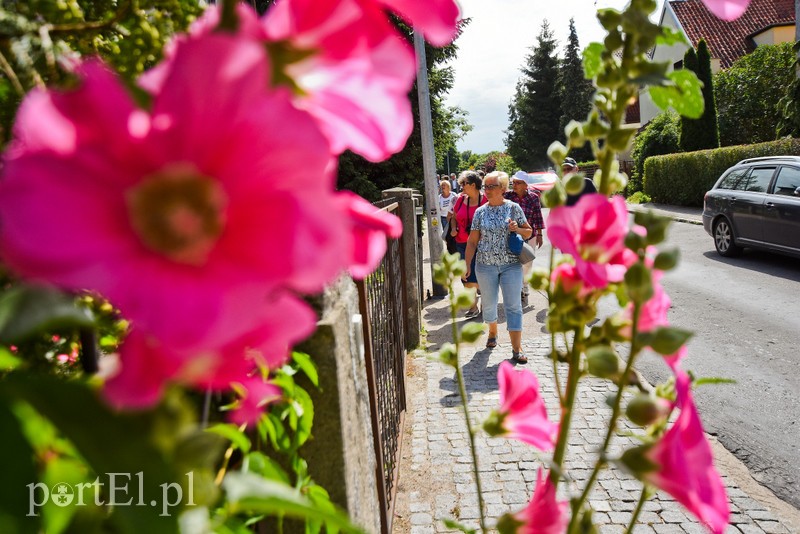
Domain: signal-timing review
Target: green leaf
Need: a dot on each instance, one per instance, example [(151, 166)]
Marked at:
[(471, 332), (28, 310), (639, 283), (16, 464), (305, 416), (670, 37), (306, 364), (232, 433), (593, 60), (267, 467), (667, 259), (685, 95), (455, 525), (7, 360), (248, 492), (668, 339)]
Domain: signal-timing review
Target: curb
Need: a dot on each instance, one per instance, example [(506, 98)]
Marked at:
[(676, 218)]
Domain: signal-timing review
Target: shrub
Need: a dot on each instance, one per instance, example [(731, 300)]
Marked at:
[(659, 137), (683, 179), (638, 198)]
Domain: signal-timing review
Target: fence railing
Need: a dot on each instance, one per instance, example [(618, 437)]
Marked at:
[(382, 303)]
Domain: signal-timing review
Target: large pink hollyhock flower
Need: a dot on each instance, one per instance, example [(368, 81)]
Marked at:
[(148, 365), (343, 61), (544, 514), (686, 465), (437, 19), (369, 229), (185, 218), (653, 312), (727, 9), (593, 232), (566, 276), (522, 412)]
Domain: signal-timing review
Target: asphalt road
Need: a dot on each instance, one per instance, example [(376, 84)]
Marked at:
[(746, 315)]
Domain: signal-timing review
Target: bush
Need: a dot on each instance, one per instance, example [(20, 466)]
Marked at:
[(683, 179), (638, 198), (659, 137)]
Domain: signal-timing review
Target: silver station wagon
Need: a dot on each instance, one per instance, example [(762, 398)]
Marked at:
[(756, 203)]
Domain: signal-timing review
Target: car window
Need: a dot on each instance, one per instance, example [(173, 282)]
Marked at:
[(758, 180), (788, 181), (734, 180)]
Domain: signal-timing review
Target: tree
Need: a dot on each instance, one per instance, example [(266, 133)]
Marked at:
[(659, 137), (404, 169), (748, 94), (575, 91), (702, 133), (535, 111), (789, 105)]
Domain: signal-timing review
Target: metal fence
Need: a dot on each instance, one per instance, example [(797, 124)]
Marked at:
[(381, 297)]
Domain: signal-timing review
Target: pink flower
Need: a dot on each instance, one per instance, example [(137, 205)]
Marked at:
[(593, 232), (522, 411), (344, 62), (148, 365), (257, 394), (566, 276), (544, 514), (727, 9), (653, 312), (686, 465), (370, 227), (437, 19)]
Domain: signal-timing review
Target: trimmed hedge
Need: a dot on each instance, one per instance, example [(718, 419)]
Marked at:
[(683, 179)]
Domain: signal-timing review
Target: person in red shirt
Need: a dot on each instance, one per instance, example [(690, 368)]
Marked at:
[(463, 213)]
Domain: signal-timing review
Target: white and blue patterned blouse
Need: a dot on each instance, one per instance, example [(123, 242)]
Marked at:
[(492, 221)]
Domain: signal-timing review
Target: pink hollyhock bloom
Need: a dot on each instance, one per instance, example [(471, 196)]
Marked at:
[(593, 232), (257, 394), (566, 276), (544, 514), (727, 9), (370, 227), (148, 365), (344, 61), (686, 465), (522, 411), (437, 19), (653, 312)]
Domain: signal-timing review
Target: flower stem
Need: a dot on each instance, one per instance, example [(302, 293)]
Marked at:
[(567, 407), (462, 390), (639, 505), (553, 353)]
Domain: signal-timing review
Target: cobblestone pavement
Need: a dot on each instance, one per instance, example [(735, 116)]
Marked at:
[(439, 460)]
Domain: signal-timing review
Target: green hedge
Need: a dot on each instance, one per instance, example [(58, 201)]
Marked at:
[(682, 179)]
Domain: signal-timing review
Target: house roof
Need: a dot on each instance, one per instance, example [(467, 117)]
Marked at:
[(729, 41)]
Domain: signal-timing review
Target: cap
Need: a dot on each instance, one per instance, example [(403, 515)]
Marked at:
[(569, 162), (520, 175)]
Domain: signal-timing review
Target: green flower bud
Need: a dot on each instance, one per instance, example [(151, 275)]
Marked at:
[(639, 283), (644, 409), (465, 298), (440, 274), (575, 184), (471, 332), (634, 241), (595, 127), (448, 355), (539, 278), (574, 133), (555, 197), (494, 424), (508, 524), (635, 461), (603, 362), (620, 139), (557, 152), (667, 259), (668, 340)]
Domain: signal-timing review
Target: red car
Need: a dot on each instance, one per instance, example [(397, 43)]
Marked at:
[(541, 181)]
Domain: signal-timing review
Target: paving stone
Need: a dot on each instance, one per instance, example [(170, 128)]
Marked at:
[(772, 527), (421, 519)]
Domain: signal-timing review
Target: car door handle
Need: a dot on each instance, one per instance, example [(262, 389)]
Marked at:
[(770, 205)]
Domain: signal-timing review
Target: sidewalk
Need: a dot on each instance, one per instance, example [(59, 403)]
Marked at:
[(435, 480)]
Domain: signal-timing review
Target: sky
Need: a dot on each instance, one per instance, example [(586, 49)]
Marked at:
[(493, 48)]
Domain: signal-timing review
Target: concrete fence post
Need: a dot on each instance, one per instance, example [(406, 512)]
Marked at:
[(410, 245)]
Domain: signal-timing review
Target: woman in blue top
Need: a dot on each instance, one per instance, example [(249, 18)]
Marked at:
[(495, 266)]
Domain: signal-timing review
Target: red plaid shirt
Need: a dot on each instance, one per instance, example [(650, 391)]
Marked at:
[(531, 207)]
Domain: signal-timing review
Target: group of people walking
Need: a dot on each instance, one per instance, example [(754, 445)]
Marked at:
[(480, 220)]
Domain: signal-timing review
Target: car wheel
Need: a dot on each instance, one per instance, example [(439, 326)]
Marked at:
[(723, 239)]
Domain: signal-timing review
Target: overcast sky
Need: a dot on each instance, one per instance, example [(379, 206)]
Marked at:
[(493, 47)]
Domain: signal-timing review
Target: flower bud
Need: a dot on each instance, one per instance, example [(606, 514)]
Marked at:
[(539, 278), (639, 283), (556, 197), (603, 362), (448, 355), (440, 274), (465, 298), (574, 133), (494, 424), (667, 259), (644, 409), (471, 332), (557, 152), (575, 184)]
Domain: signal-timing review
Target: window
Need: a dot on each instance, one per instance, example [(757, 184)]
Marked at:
[(758, 181), (734, 180), (788, 181)]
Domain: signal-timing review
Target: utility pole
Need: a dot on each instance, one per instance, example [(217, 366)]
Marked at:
[(428, 160)]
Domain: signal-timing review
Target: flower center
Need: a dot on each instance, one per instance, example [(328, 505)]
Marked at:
[(179, 213)]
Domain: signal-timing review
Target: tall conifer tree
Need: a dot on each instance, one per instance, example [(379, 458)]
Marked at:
[(575, 91), (535, 110), (702, 133)]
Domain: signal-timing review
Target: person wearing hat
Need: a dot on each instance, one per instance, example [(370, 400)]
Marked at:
[(532, 208), (570, 166)]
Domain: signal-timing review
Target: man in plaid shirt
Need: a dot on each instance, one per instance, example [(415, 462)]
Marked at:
[(532, 207)]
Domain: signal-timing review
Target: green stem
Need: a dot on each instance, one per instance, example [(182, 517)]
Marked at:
[(462, 390), (612, 424), (566, 407), (639, 505), (229, 21), (553, 352)]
